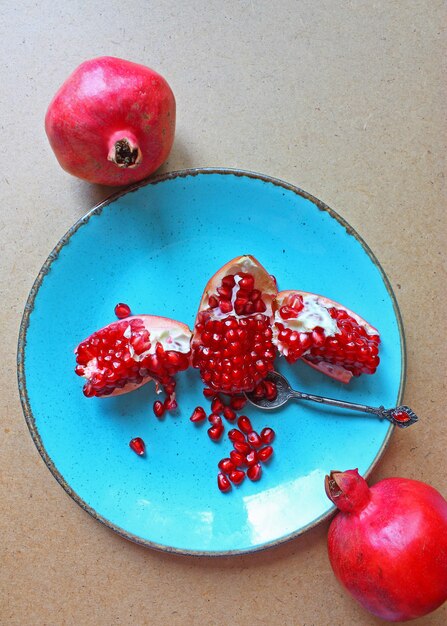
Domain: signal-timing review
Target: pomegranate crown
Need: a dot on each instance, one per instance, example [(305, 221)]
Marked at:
[(347, 490)]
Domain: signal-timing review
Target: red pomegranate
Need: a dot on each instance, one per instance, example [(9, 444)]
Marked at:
[(232, 339), (325, 335), (130, 352), (112, 122), (388, 544)]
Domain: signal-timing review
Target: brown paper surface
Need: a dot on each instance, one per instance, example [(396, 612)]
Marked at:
[(342, 98)]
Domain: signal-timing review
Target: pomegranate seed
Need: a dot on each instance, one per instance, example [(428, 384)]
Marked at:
[(237, 476), (159, 408), (237, 458), (225, 306), (254, 439), (238, 402), (229, 414), (198, 415), (122, 310), (137, 445), (236, 435), (223, 483), (215, 419), (267, 435), (254, 472), (226, 465), (287, 312), (209, 393), (217, 405), (171, 404), (247, 282), (242, 446), (265, 453), (251, 458), (270, 390), (244, 424), (215, 432)]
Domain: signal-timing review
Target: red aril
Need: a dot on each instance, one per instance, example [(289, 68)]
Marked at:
[(229, 414), (112, 122), (235, 435), (267, 435), (137, 445), (388, 544), (217, 405), (254, 439), (198, 415), (244, 424), (226, 466), (251, 458), (223, 483), (325, 335), (254, 472), (159, 408), (237, 458), (215, 432), (127, 354), (215, 419), (242, 446), (237, 476), (122, 310), (238, 402), (265, 453), (232, 340)]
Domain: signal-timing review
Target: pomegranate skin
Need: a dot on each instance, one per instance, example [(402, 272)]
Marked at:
[(112, 122), (390, 551)]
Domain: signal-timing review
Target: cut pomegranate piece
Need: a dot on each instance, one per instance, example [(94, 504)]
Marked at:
[(325, 335), (137, 445), (129, 353), (232, 341)]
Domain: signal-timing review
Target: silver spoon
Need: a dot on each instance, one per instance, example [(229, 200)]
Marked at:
[(286, 393)]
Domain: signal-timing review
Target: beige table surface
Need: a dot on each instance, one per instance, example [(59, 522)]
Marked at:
[(343, 98)]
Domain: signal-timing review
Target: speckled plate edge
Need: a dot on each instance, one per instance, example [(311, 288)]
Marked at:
[(24, 399)]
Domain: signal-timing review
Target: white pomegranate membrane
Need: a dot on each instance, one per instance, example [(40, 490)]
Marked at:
[(325, 335), (126, 354), (232, 342)]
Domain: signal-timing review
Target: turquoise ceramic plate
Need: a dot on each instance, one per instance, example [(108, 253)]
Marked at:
[(154, 248)]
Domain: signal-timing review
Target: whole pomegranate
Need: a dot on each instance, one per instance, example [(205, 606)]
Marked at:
[(112, 122), (388, 544)]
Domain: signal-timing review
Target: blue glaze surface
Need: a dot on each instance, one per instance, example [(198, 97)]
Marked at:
[(155, 248)]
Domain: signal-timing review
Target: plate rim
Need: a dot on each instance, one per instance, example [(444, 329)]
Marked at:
[(29, 305)]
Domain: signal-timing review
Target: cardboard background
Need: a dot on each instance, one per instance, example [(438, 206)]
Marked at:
[(344, 99)]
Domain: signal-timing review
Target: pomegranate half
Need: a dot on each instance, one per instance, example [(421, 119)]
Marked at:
[(232, 338), (112, 122), (130, 352), (325, 335)]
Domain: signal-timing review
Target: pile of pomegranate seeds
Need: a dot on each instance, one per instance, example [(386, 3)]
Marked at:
[(250, 450), (218, 409), (234, 352)]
